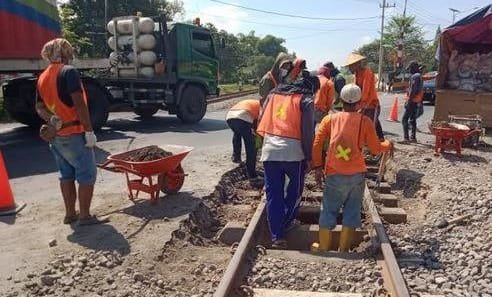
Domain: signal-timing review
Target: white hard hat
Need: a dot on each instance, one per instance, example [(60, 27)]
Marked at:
[(351, 93)]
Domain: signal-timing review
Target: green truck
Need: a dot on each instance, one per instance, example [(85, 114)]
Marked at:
[(186, 57)]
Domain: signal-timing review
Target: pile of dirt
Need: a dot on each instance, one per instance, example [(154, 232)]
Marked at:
[(149, 153)]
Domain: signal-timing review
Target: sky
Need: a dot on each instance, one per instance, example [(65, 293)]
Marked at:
[(318, 41)]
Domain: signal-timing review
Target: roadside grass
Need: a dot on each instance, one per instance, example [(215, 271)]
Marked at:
[(233, 88)]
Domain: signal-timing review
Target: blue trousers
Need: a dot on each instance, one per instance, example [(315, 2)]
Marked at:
[(346, 192), (282, 205)]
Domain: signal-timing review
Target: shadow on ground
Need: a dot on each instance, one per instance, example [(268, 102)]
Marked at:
[(103, 237), (408, 181)]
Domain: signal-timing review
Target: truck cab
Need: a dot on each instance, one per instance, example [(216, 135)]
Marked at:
[(188, 74)]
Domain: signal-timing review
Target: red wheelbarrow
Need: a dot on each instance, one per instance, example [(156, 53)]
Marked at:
[(170, 175)]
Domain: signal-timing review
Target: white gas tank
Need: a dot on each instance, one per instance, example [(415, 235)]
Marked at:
[(124, 27), (146, 42), (123, 40), (146, 25), (147, 58), (147, 72)]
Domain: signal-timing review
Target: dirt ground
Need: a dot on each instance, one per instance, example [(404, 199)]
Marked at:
[(133, 253)]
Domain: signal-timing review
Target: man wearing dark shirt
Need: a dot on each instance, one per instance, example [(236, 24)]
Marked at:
[(63, 105), (415, 95)]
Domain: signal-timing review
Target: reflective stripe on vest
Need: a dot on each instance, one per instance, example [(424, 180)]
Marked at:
[(273, 79), (48, 89), (252, 106), (282, 116)]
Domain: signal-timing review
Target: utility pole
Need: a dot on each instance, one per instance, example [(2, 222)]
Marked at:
[(454, 12), (381, 54), (399, 51)]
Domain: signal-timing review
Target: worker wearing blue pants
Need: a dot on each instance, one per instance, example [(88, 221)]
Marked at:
[(287, 127), (275, 173)]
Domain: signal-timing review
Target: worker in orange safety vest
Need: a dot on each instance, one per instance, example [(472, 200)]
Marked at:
[(242, 118), (63, 105), (287, 126), (343, 173), (415, 95), (366, 80), (276, 75), (325, 96)]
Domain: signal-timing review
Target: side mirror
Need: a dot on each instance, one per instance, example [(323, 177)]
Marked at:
[(222, 42)]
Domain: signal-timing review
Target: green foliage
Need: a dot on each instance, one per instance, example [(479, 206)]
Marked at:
[(415, 47), (84, 25), (246, 57)]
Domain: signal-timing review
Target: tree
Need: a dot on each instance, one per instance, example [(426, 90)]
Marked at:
[(271, 46), (84, 25), (414, 45)]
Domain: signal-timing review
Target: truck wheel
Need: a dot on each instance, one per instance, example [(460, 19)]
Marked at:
[(146, 111), (19, 102), (98, 105), (192, 106)]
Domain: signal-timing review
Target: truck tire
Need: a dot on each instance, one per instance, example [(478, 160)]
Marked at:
[(193, 105), (146, 111), (19, 102), (98, 105)]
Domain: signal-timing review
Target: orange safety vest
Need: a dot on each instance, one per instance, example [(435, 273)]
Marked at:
[(325, 95), (366, 81), (344, 153), (418, 97), (273, 79), (282, 116), (252, 106), (48, 89)]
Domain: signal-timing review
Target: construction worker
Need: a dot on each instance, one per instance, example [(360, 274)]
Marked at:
[(287, 125), (366, 80), (415, 95), (276, 75), (338, 81), (347, 131), (242, 119), (325, 95), (63, 104)]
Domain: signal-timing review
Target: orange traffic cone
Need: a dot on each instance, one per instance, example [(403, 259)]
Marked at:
[(7, 202), (393, 114)]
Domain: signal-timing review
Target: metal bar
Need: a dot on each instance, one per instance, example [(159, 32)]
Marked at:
[(228, 280), (230, 96), (397, 282)]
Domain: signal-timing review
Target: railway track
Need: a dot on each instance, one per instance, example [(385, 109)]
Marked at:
[(230, 96), (246, 276)]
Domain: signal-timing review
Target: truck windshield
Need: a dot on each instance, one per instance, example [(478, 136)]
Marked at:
[(202, 42)]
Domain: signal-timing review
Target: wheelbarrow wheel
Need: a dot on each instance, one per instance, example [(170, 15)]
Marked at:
[(172, 181)]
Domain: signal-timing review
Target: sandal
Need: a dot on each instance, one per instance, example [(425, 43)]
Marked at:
[(70, 219), (92, 220)]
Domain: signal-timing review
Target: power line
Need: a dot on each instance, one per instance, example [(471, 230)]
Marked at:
[(287, 26), (293, 15)]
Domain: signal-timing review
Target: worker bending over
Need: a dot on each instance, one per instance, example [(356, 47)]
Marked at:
[(242, 119), (287, 125), (365, 79), (347, 131)]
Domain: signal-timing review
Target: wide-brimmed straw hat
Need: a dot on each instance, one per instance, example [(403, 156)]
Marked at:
[(354, 58)]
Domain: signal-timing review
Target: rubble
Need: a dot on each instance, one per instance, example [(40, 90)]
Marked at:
[(450, 206)]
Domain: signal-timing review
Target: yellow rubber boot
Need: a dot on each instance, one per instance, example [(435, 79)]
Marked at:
[(346, 239), (325, 239)]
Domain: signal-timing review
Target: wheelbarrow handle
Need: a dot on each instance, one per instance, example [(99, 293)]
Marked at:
[(117, 168)]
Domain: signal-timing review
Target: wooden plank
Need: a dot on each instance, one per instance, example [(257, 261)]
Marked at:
[(303, 236), (393, 215), (285, 293), (384, 187), (387, 200)]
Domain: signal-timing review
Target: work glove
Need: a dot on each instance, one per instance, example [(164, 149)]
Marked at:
[(90, 139), (56, 122)]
